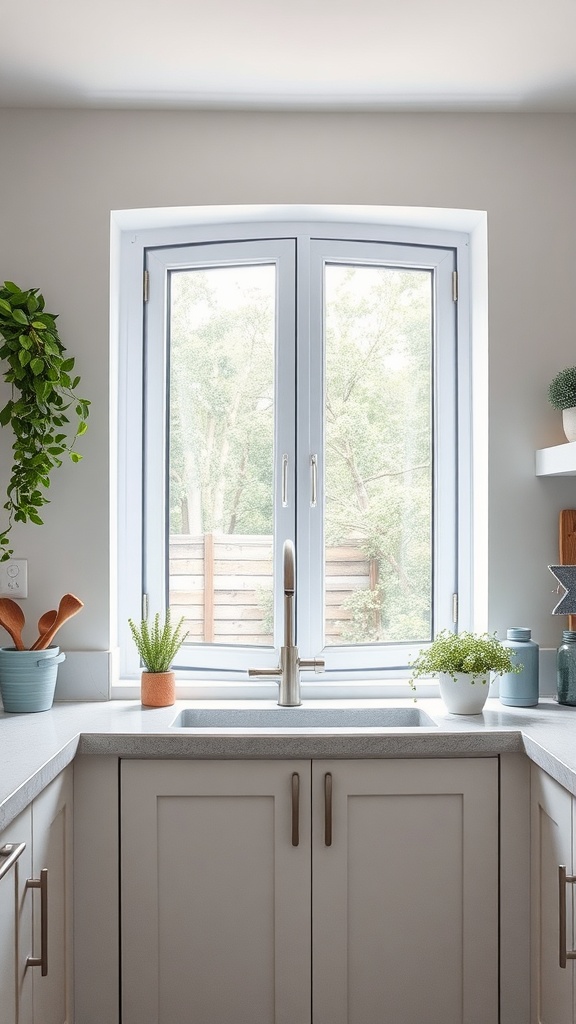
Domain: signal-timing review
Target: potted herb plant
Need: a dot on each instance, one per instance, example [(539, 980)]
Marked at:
[(157, 646), (43, 397), (463, 663), (562, 395)]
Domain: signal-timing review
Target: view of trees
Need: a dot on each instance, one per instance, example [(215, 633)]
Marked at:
[(378, 466), (378, 441)]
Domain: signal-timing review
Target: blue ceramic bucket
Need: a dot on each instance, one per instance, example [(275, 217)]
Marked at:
[(28, 678)]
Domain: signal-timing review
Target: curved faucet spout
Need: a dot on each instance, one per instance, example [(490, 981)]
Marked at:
[(288, 671), (289, 568), (289, 582)]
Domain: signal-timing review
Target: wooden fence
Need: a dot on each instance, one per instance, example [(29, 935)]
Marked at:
[(222, 584)]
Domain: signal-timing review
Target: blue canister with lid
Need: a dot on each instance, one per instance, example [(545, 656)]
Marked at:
[(566, 668), (520, 689)]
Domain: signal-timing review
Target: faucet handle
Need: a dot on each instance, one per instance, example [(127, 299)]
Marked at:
[(318, 664)]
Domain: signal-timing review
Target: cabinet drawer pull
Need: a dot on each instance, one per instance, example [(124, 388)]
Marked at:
[(9, 854), (295, 809), (328, 809), (564, 879), (42, 884)]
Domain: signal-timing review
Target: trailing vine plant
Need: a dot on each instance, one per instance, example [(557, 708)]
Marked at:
[(43, 393)]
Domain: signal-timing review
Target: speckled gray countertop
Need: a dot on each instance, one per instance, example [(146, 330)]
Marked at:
[(34, 748)]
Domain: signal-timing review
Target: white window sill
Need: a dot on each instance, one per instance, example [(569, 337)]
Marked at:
[(367, 689)]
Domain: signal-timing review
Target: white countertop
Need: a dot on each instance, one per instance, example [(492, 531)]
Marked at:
[(34, 748)]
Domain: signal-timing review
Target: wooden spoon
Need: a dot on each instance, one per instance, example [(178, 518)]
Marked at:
[(44, 623), (69, 606), (12, 618)]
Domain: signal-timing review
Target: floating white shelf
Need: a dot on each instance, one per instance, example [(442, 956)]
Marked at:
[(557, 461)]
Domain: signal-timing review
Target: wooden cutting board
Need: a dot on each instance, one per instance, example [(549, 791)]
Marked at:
[(567, 545)]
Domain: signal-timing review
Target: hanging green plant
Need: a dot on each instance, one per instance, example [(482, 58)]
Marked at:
[(43, 392)]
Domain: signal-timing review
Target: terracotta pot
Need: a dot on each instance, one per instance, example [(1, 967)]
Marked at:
[(158, 689)]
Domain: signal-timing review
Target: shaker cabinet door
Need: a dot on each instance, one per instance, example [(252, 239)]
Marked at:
[(551, 846), (405, 893), (39, 993), (52, 824), (16, 925), (215, 880)]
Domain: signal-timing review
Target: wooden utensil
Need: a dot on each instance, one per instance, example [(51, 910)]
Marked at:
[(44, 623), (567, 545), (69, 606), (12, 618)]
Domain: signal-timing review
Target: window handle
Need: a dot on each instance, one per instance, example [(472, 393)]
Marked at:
[(313, 481), (284, 481)]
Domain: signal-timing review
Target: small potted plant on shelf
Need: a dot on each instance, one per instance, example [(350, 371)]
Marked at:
[(463, 663), (157, 646), (562, 395)]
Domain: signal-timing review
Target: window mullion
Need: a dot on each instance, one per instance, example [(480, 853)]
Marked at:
[(310, 413), (285, 478)]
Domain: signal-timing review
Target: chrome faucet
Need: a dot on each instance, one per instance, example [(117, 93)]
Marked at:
[(288, 671)]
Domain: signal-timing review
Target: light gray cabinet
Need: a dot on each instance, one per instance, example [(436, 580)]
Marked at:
[(552, 845), (292, 892), (36, 912), (16, 923)]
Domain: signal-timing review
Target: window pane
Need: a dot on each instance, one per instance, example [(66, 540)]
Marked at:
[(222, 340), (378, 454)]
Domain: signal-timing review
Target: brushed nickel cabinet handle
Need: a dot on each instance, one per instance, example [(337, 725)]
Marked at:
[(564, 954), (295, 809), (328, 809), (42, 884), (9, 854)]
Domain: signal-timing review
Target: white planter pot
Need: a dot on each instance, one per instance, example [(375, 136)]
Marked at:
[(569, 423), (462, 696)]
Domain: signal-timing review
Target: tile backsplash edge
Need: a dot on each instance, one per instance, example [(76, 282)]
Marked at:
[(86, 675)]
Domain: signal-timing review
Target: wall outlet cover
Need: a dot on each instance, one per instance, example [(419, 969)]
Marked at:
[(14, 578)]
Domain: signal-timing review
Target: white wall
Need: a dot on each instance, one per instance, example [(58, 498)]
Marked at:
[(62, 172)]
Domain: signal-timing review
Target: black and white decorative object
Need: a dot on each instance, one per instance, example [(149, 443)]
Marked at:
[(566, 576)]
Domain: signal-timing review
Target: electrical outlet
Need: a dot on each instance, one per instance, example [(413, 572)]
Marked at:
[(14, 578)]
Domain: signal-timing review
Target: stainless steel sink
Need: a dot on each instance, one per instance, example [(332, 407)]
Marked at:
[(302, 718)]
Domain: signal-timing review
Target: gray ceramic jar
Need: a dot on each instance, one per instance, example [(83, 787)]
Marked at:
[(520, 689)]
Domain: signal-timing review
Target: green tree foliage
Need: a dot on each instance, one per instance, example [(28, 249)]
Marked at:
[(222, 380), (378, 443), (378, 465)]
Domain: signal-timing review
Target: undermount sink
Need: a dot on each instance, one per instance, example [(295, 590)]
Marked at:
[(302, 718)]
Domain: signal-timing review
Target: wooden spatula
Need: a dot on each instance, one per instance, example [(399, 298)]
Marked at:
[(44, 623), (12, 618), (567, 545), (69, 606)]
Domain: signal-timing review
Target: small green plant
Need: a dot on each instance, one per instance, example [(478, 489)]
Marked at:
[(476, 654), (562, 390), (43, 390), (158, 644)]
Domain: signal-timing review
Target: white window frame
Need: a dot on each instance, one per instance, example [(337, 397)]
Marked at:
[(241, 225)]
